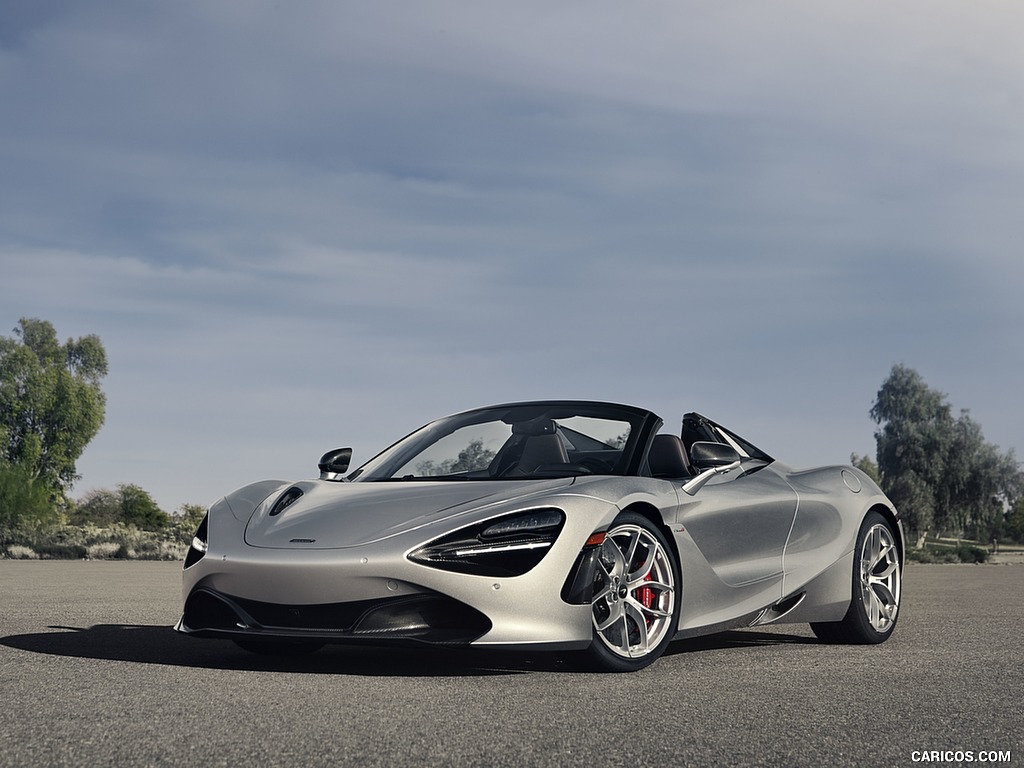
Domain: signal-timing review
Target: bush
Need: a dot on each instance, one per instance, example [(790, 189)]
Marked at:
[(971, 554), (56, 550), (185, 521), (125, 524), (104, 550), (927, 555), (129, 504), (117, 542), (18, 552), (962, 553)]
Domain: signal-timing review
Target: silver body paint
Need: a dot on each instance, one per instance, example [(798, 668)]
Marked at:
[(745, 542)]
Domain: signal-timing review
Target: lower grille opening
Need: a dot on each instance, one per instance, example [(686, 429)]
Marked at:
[(329, 616), (430, 618)]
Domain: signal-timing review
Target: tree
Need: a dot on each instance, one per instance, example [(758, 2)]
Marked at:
[(101, 508), (471, 458), (51, 403), (939, 471), (139, 509), (1014, 525), (913, 440), (985, 483), (186, 520), (867, 466), (23, 501), (129, 504)]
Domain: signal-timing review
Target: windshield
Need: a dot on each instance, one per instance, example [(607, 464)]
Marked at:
[(531, 440)]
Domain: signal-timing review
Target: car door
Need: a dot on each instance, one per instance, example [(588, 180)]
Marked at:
[(740, 523)]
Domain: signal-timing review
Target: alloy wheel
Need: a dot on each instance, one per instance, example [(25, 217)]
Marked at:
[(634, 600), (880, 577)]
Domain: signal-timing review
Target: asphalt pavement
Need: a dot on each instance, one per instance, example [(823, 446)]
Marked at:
[(92, 674)]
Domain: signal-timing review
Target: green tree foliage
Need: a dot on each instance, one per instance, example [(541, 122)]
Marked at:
[(937, 469), (186, 520), (139, 509), (101, 508), (867, 466), (913, 444), (190, 516), (24, 501), (129, 505), (1014, 526), (471, 458), (51, 404)]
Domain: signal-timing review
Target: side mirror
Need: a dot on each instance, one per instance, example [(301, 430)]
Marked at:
[(334, 464), (711, 459), (708, 455)]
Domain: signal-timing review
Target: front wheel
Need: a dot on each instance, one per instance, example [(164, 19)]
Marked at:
[(636, 600), (877, 582)]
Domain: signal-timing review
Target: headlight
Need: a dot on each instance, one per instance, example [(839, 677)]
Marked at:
[(508, 546), (199, 545), (537, 521)]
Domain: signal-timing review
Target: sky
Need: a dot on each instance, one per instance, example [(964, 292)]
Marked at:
[(298, 226)]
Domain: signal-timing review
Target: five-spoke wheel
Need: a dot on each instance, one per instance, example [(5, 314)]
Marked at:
[(880, 577), (636, 604), (877, 575)]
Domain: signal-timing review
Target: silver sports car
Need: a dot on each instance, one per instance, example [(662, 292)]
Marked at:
[(556, 525)]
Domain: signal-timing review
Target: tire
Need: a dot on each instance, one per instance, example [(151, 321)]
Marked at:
[(877, 582), (267, 647), (636, 601)]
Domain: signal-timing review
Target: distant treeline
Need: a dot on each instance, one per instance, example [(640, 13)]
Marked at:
[(937, 468)]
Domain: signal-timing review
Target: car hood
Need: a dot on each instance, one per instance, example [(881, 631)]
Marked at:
[(331, 515)]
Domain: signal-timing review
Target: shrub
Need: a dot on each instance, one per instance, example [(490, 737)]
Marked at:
[(962, 553), (58, 550), (967, 553), (928, 555), (128, 505), (103, 550), (18, 552), (117, 542)]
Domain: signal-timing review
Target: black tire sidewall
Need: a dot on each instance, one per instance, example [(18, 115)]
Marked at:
[(600, 655), (856, 624)]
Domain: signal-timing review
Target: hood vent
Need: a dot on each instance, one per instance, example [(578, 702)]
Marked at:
[(288, 498)]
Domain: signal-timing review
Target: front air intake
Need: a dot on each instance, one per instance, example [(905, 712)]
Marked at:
[(205, 609)]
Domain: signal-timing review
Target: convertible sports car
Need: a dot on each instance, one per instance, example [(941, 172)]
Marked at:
[(556, 525)]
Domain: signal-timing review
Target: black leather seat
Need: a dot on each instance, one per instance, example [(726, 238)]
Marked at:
[(540, 450)]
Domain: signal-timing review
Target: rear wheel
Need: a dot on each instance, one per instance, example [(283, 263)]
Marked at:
[(636, 602), (877, 582)]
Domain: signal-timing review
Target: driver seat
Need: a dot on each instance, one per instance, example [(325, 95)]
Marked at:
[(539, 450)]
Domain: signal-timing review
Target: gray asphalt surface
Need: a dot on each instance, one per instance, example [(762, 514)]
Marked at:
[(91, 674)]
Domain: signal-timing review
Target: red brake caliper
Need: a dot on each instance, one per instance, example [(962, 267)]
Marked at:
[(645, 595)]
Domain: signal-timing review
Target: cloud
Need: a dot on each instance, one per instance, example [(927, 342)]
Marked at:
[(331, 222)]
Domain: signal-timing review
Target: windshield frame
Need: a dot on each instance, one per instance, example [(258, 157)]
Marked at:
[(643, 425)]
